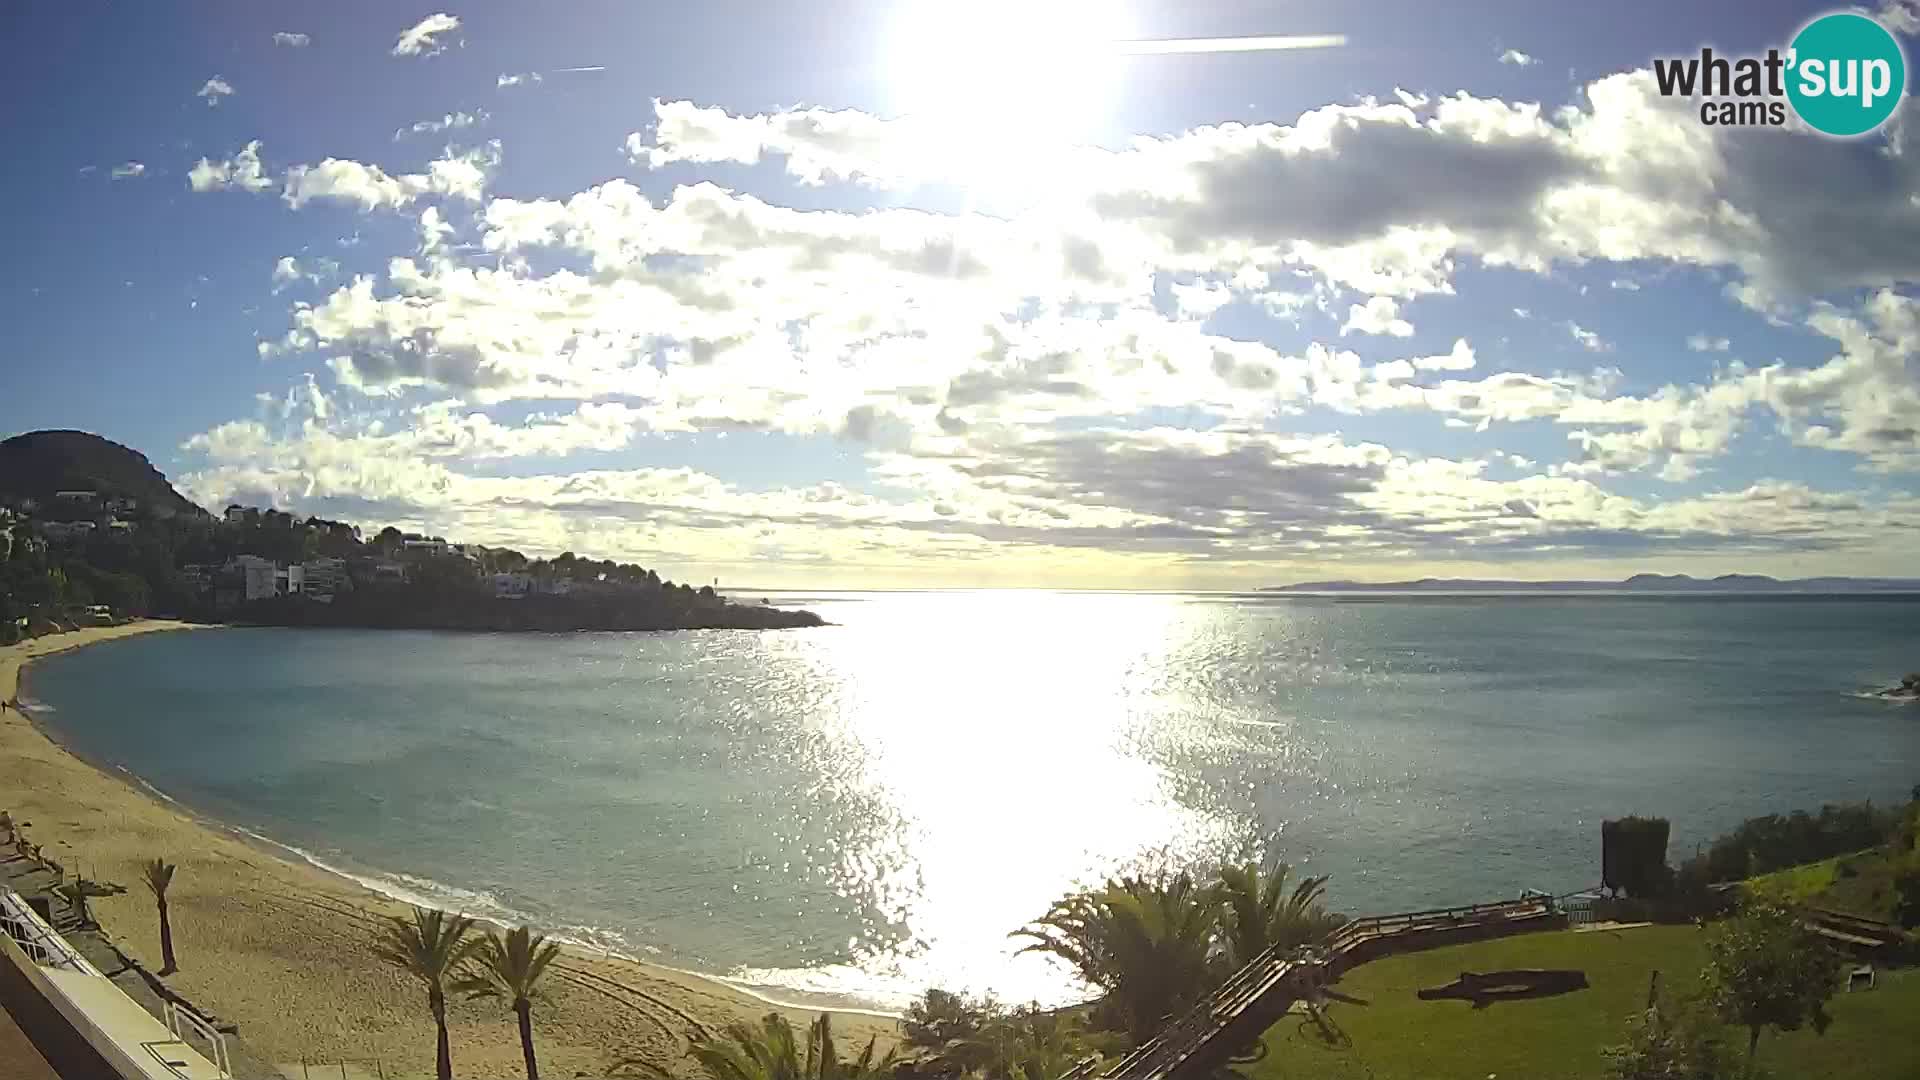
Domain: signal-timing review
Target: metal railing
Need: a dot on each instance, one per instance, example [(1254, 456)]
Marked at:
[(36, 938), (183, 1022)]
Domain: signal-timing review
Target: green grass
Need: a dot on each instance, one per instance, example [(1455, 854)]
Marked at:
[(1860, 883), (1399, 1037)]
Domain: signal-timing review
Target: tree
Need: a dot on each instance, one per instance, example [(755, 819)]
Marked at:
[(1633, 855), (430, 946), (159, 877), (1765, 970), (1147, 943), (1257, 915), (1669, 1042), (770, 1051), (509, 968)]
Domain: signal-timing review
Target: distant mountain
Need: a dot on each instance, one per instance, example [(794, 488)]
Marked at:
[(1638, 583), (40, 463)]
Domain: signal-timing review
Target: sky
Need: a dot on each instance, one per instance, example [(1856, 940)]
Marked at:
[(910, 294)]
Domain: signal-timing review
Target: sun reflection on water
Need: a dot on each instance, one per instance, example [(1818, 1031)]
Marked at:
[(1009, 748)]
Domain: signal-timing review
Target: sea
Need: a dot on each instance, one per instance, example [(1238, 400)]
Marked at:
[(851, 814)]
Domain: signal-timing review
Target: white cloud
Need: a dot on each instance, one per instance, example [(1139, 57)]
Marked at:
[(129, 170), (1703, 343), (240, 172), (1379, 315), (525, 77), (434, 231), (214, 89), (422, 38), (453, 121), (1518, 58), (1624, 284), (291, 40), (461, 176), (1588, 339)]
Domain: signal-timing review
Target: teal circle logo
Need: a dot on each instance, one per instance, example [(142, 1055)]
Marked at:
[(1846, 74)]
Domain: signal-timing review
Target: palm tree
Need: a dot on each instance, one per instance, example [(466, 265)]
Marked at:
[(1258, 915), (159, 876), (510, 968), (1147, 943), (769, 1051), (430, 946)]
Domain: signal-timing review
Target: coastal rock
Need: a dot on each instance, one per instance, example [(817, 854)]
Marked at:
[(1908, 690)]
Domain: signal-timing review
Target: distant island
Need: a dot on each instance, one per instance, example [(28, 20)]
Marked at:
[(1638, 583), (91, 533)]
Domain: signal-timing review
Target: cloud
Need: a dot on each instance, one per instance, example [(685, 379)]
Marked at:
[(455, 175), (129, 170), (525, 77), (1588, 339), (240, 172), (1518, 58), (214, 89), (453, 121), (1379, 315), (290, 40), (422, 38), (1703, 343)]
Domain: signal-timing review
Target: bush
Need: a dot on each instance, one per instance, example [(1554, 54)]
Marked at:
[(1633, 855), (1762, 845)]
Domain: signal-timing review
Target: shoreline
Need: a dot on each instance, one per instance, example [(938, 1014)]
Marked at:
[(272, 939)]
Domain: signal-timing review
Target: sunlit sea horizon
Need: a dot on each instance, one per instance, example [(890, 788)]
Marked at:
[(854, 813)]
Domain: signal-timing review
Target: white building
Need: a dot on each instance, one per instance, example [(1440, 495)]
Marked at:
[(425, 547), (323, 578), (260, 577), (289, 580), (65, 530)]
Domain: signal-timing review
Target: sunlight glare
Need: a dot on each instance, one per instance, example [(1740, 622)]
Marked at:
[(1004, 86)]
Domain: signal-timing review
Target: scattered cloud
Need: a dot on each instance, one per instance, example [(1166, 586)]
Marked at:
[(291, 40), (1379, 315), (455, 175), (1624, 284), (129, 170), (241, 172), (214, 89), (453, 121), (1588, 339), (423, 37), (525, 77), (1703, 343), (1518, 58)]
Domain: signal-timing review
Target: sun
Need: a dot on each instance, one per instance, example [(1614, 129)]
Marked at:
[(997, 82)]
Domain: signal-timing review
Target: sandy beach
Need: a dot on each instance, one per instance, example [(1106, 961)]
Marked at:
[(284, 949)]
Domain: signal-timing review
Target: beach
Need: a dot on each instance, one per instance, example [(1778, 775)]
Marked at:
[(284, 949)]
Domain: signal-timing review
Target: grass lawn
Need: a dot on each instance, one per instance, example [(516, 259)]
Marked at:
[(1399, 1037), (1861, 883)]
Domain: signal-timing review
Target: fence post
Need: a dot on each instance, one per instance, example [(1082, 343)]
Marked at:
[(1653, 988)]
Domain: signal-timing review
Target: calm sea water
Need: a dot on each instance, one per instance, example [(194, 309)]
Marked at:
[(867, 809)]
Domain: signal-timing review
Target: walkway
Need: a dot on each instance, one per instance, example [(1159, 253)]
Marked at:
[(1258, 995), (31, 879)]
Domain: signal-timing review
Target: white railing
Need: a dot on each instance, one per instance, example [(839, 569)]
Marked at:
[(183, 1021), (36, 938)]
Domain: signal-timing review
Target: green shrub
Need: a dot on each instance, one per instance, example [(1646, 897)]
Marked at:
[(1633, 856)]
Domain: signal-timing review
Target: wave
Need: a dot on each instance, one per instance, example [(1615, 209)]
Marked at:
[(479, 903), (1884, 697), (150, 789)]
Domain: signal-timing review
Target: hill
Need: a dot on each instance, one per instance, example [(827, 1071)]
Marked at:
[(39, 463)]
